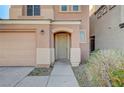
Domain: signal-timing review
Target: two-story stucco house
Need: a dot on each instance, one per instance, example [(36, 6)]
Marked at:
[(107, 27), (38, 35)]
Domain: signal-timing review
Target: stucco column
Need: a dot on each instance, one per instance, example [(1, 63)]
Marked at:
[(75, 52), (52, 49), (43, 46)]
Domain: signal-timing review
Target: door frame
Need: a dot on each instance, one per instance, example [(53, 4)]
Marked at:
[(68, 44)]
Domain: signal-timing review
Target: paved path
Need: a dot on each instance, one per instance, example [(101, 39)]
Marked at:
[(11, 76), (18, 77), (34, 81), (62, 76)]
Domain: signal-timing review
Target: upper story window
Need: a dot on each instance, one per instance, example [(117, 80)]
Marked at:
[(75, 8), (67, 8), (64, 8), (33, 10)]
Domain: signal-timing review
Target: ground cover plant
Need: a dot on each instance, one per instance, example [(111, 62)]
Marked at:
[(104, 68), (41, 72)]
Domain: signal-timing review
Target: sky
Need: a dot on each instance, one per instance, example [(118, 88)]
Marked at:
[(4, 11)]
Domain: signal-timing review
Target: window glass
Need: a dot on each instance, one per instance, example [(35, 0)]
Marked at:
[(82, 36), (75, 8), (64, 8), (29, 10), (33, 10), (36, 10)]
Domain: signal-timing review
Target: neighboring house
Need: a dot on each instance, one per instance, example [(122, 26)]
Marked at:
[(37, 35), (106, 27)]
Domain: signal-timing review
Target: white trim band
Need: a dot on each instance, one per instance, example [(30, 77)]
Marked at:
[(24, 22), (39, 22), (66, 22)]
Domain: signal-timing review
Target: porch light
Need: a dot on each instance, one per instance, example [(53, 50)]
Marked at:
[(42, 31)]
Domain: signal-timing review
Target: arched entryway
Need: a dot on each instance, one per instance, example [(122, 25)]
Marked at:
[(62, 45)]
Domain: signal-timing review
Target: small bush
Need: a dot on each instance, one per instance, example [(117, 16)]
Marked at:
[(40, 72), (117, 78), (103, 68)]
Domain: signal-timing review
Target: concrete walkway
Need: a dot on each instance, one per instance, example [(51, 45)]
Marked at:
[(11, 76), (34, 81), (62, 76)]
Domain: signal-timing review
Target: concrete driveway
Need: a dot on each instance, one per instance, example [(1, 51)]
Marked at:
[(11, 76), (61, 76)]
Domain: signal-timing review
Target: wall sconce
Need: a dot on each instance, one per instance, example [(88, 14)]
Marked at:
[(42, 31)]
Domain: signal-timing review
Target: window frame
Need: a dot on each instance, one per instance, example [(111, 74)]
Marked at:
[(60, 8), (27, 9), (79, 8), (33, 10), (85, 40)]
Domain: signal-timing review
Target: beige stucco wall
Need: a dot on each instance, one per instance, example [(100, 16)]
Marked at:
[(20, 12), (75, 40), (108, 35), (15, 11), (42, 41), (85, 27), (74, 30), (83, 15), (47, 12), (45, 50), (67, 15)]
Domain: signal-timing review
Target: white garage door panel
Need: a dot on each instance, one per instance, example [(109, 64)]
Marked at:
[(17, 49)]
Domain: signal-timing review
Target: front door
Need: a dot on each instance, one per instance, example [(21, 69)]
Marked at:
[(62, 46)]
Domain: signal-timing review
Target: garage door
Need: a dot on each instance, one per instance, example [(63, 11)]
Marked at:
[(17, 48)]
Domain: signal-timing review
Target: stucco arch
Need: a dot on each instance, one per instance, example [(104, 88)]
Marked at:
[(60, 29)]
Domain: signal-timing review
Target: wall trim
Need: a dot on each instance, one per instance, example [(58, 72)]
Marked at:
[(17, 30), (47, 21), (59, 29), (24, 21), (43, 65), (67, 22)]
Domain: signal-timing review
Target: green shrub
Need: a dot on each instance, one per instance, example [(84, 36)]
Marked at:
[(117, 78), (101, 67), (40, 72)]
